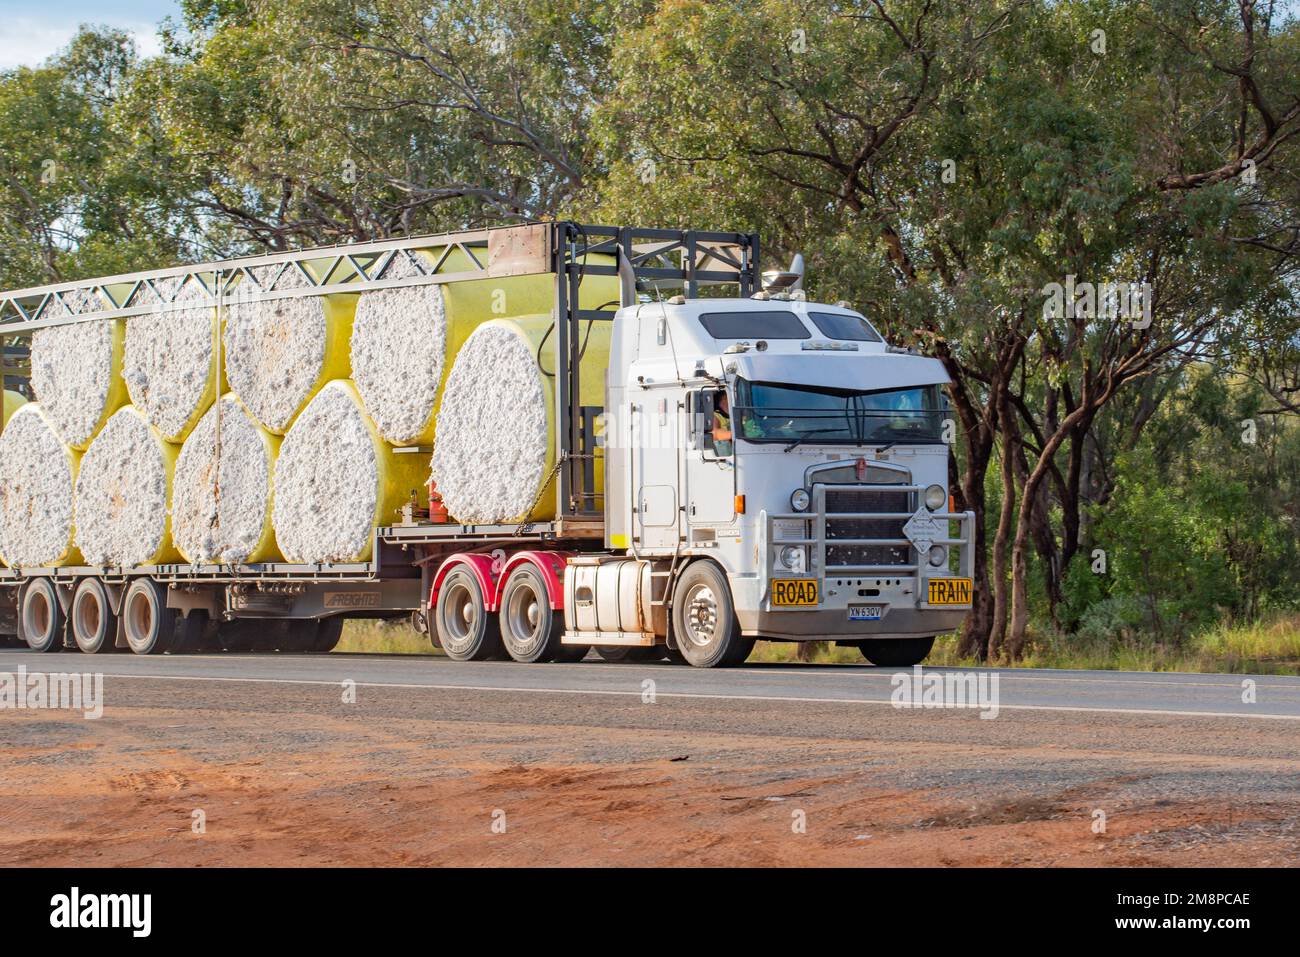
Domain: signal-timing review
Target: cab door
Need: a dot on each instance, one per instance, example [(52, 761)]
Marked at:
[(710, 466), (656, 470)]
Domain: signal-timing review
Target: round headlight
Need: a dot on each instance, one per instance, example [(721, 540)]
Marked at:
[(938, 555), (799, 499), (792, 557), (935, 497)]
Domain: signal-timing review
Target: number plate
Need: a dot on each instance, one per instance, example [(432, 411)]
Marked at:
[(949, 591), (866, 612), (794, 592)]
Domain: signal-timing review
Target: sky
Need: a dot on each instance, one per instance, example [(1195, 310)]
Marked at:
[(31, 30)]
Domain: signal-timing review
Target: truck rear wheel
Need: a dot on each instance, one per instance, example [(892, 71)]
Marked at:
[(704, 619), (149, 624), (465, 629), (896, 652), (40, 619), (94, 625), (530, 628)]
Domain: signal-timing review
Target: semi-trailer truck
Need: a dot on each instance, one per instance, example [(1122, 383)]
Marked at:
[(762, 467)]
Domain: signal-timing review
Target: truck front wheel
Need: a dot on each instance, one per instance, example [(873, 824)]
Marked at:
[(465, 629), (704, 619), (896, 652)]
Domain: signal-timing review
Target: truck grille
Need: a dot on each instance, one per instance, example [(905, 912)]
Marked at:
[(840, 500)]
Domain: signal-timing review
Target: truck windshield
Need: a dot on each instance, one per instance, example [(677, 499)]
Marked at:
[(784, 413)]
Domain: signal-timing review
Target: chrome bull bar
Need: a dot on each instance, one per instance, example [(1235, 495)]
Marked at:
[(917, 568)]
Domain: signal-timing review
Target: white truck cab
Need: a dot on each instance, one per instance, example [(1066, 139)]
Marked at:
[(775, 470)]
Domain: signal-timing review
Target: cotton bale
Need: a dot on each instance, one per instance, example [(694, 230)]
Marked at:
[(280, 352), (336, 479), (404, 338), (77, 373), (496, 423), (222, 489), (123, 494), (37, 476), (170, 361)]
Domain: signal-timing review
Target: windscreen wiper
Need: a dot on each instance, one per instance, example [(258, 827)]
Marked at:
[(795, 444)]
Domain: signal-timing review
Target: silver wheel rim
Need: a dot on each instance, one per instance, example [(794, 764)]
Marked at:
[(523, 615), (701, 615), (459, 617)]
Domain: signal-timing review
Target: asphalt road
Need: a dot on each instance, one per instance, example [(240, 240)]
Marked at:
[(1275, 698), (599, 763)]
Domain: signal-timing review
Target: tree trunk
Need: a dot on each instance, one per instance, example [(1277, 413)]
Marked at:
[(1010, 452)]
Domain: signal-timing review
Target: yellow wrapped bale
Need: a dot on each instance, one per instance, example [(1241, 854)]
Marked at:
[(123, 497), (496, 423), (222, 489), (280, 352), (13, 402), (77, 376), (404, 339), (336, 479), (37, 476)]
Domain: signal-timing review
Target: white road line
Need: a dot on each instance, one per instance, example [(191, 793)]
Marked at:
[(701, 695)]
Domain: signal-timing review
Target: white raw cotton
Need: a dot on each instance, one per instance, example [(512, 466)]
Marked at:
[(492, 428), (123, 487), (327, 481), (275, 353), (36, 482), (168, 364), (222, 516), (73, 373), (399, 352)]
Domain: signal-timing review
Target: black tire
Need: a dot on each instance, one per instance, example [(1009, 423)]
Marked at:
[(41, 621), (94, 623), (191, 633), (465, 629), (238, 634), (616, 653), (328, 632), (300, 635), (150, 626), (530, 628), (704, 619), (896, 652)]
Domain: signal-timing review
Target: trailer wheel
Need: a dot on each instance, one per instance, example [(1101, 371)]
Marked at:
[(530, 628), (238, 634), (94, 625), (40, 618), (300, 635), (328, 632), (149, 624), (896, 652), (191, 633), (465, 629), (704, 619)]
